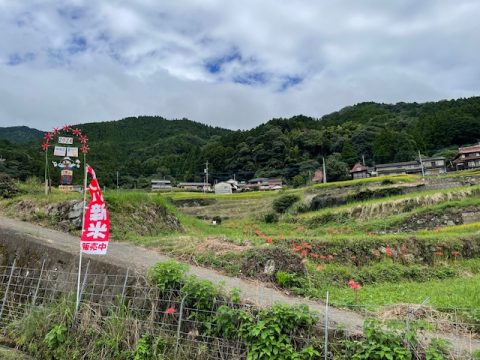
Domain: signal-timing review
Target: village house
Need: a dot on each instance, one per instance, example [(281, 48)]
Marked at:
[(429, 166), (194, 186), (160, 185), (265, 184), (435, 165), (317, 177), (359, 171), (468, 157)]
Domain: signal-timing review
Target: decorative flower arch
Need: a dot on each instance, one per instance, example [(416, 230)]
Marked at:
[(67, 129)]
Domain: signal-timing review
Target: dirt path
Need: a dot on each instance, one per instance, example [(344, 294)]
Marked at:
[(127, 255)]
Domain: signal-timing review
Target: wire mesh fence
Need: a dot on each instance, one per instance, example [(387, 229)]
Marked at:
[(185, 319)]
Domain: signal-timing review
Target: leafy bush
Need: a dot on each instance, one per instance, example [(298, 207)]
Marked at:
[(8, 188), (286, 279), (168, 275), (271, 218), (283, 203), (378, 344)]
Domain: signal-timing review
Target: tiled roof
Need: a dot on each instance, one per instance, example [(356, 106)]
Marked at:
[(469, 149), (358, 168)]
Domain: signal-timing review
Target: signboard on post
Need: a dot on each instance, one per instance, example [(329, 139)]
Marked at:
[(96, 226), (60, 151), (72, 151)]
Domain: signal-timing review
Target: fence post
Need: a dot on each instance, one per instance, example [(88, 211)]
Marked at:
[(34, 299), (179, 324), (326, 328), (125, 284), (8, 286)]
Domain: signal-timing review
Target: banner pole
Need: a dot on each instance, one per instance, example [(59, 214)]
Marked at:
[(83, 225), (46, 167)]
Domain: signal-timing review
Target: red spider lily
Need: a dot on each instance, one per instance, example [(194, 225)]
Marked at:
[(304, 253), (388, 251), (84, 149), (307, 246), (269, 240), (83, 139), (297, 248), (48, 136), (45, 146), (352, 284), (330, 257), (314, 255), (170, 310), (438, 253), (323, 257), (77, 132)]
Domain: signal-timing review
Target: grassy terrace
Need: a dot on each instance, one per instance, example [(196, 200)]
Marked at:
[(442, 264)]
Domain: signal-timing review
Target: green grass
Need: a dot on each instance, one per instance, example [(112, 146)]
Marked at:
[(447, 293)]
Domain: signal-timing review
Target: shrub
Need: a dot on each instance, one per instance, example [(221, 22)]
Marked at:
[(283, 203), (271, 218), (8, 188), (286, 279), (168, 275)]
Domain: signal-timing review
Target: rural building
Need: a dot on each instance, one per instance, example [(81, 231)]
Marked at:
[(275, 184), (406, 167), (431, 166), (435, 165), (223, 188), (265, 184), (234, 184), (159, 185), (317, 177), (468, 157), (258, 184), (194, 186), (359, 171)]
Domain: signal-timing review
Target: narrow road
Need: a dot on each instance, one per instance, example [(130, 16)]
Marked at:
[(131, 256)]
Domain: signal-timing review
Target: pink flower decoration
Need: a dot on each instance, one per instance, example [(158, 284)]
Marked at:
[(67, 128), (45, 146), (77, 132), (83, 139), (48, 136), (84, 149)]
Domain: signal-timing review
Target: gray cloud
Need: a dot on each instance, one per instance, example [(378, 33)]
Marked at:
[(228, 63)]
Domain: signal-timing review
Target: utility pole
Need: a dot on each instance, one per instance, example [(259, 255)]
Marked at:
[(324, 171), (363, 160), (421, 164), (206, 176), (117, 180)]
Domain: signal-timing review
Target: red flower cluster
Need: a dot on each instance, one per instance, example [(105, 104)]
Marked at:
[(170, 310), (260, 234), (388, 251), (352, 284)]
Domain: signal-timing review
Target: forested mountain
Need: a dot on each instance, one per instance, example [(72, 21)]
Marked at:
[(152, 147), (19, 134)]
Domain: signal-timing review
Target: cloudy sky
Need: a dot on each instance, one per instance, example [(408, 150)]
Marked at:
[(229, 63)]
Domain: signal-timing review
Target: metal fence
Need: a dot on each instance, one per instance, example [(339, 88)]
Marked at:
[(183, 318)]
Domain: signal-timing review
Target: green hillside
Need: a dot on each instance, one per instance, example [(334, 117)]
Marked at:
[(20, 134), (153, 147)]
